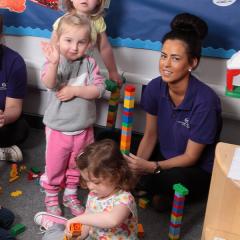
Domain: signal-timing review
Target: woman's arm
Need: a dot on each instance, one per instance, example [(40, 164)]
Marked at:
[(106, 53), (188, 158), (140, 165), (149, 139), (13, 110), (104, 219)]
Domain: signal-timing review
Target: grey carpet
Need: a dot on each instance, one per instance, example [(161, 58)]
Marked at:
[(32, 201)]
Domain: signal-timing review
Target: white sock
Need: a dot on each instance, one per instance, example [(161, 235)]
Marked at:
[(51, 194), (70, 191)]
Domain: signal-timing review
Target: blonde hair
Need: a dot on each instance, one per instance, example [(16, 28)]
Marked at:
[(97, 12), (103, 159), (74, 19)]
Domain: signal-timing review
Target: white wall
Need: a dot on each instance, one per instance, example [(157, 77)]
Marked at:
[(139, 67)]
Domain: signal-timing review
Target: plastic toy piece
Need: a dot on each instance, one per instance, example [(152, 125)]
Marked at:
[(75, 230), (13, 173), (233, 76), (177, 211), (140, 231), (127, 119), (35, 170), (113, 101), (17, 229), (143, 202), (111, 85), (17, 193)]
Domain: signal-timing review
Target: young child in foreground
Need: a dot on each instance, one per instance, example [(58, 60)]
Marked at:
[(110, 209), (94, 10), (74, 82)]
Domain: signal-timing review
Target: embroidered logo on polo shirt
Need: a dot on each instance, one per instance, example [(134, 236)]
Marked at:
[(185, 123), (4, 86)]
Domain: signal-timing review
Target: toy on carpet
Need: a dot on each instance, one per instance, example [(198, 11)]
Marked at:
[(177, 211)]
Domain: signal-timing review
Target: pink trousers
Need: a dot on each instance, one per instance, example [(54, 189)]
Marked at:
[(61, 153)]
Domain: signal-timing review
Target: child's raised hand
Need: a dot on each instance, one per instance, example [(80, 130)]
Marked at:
[(51, 52), (65, 93)]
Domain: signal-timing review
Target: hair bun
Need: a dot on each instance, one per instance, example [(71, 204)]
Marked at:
[(187, 22)]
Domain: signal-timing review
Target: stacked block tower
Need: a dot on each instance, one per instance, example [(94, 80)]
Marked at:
[(177, 211), (113, 107), (127, 119)]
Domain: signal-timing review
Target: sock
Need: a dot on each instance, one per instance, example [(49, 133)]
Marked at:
[(51, 194), (70, 191)]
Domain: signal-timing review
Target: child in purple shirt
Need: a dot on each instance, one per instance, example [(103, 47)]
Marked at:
[(183, 115)]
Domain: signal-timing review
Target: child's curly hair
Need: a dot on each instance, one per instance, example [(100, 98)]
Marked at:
[(98, 11), (103, 159)]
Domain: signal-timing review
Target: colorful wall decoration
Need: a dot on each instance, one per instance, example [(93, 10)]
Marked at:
[(135, 23)]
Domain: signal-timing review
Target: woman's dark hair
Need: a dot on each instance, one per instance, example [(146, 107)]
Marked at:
[(103, 159), (189, 29)]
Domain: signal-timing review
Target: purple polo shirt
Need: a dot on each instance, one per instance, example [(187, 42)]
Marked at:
[(197, 118), (13, 75)]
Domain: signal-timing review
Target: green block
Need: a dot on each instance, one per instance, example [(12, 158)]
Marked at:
[(179, 188), (35, 170), (235, 93), (125, 152), (111, 85), (17, 229)]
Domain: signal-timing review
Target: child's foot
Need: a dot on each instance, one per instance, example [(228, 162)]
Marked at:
[(72, 202), (46, 220), (52, 205)]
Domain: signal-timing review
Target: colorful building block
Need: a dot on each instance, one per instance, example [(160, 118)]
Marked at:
[(17, 229), (140, 231)]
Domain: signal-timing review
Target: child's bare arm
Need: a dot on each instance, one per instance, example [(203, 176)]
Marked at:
[(87, 92), (103, 219), (52, 55), (106, 53)]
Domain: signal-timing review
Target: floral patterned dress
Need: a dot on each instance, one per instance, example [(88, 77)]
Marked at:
[(127, 229)]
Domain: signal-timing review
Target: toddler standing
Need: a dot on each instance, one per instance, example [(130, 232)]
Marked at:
[(74, 82), (94, 10), (110, 210)]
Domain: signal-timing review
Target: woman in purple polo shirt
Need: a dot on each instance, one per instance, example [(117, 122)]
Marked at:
[(13, 84), (183, 116)]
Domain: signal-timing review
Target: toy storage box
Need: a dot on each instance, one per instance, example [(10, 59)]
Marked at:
[(222, 218)]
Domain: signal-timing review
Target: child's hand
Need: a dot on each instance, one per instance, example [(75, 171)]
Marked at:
[(51, 52), (116, 77), (65, 93)]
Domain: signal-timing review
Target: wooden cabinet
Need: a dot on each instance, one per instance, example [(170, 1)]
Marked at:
[(222, 218)]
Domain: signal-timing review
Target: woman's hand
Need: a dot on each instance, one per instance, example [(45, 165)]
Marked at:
[(139, 165)]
